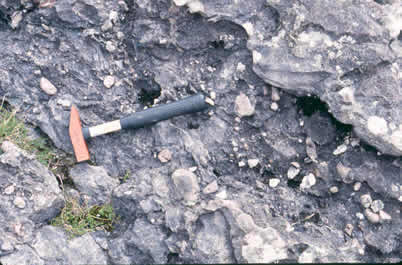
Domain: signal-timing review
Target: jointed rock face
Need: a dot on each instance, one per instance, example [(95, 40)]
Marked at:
[(297, 160)]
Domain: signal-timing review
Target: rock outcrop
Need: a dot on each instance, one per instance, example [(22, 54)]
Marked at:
[(305, 121)]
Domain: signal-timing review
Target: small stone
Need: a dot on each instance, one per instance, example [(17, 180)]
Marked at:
[(343, 172), (377, 125), (365, 200), (186, 183), (372, 217), (274, 106), (107, 26), (222, 195), (384, 216), (259, 185), (377, 206), (357, 186), (241, 67), (120, 35), (16, 19), (65, 103), (274, 182), (334, 189), (193, 169), (211, 187), (9, 190), (311, 149), (243, 106), (349, 229), (253, 162), (110, 47), (213, 95), (295, 164), (108, 82), (19, 202), (113, 16), (275, 94), (355, 142), (340, 149), (360, 216), (308, 181), (293, 171), (165, 155), (47, 86), (242, 164)]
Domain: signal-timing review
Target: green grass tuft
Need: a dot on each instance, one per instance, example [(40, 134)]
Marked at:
[(79, 219), (13, 130)]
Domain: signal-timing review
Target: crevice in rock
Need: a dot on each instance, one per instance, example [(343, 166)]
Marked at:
[(308, 105), (149, 90)]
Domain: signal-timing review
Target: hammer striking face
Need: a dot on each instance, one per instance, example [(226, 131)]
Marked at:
[(140, 119)]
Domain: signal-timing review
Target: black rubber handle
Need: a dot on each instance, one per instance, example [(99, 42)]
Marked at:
[(150, 116)]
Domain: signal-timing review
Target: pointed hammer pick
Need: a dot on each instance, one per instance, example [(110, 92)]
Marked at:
[(80, 135)]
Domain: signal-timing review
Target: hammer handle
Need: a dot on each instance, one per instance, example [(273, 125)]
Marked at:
[(150, 116)]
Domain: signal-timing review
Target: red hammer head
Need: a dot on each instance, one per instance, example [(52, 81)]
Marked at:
[(77, 137)]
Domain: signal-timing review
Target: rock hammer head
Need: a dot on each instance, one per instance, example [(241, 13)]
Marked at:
[(77, 138)]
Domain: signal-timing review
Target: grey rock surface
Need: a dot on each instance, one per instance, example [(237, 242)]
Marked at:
[(53, 246), (311, 48), (332, 68), (94, 184)]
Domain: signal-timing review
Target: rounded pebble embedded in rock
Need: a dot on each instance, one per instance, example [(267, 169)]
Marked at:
[(47, 86), (186, 183), (293, 171), (334, 189), (108, 82), (372, 217), (360, 216), (343, 172), (274, 182), (213, 95), (9, 190), (19, 202), (340, 149), (274, 106), (366, 200), (165, 155), (377, 206), (253, 162), (243, 106), (308, 181), (110, 47), (357, 186)]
